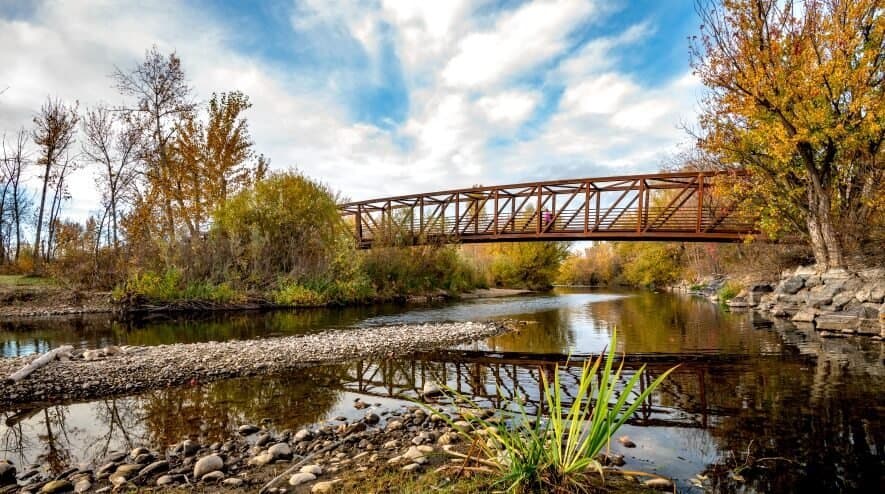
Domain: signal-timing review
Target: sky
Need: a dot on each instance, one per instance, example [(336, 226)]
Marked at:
[(386, 97)]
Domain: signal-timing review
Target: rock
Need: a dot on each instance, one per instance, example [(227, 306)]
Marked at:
[(804, 315), (136, 452), (303, 435), (394, 425), (280, 451), (105, 470), (92, 354), (836, 322), (301, 478), (7, 473), (325, 487), (129, 470), (189, 447), (248, 429), (207, 464), (165, 480), (414, 454), (790, 285), (261, 459), (312, 469), (659, 483), (118, 479), (447, 438), (82, 485), (112, 350), (144, 458), (461, 426), (818, 299), (263, 439), (626, 442), (411, 467), (393, 443), (841, 299), (233, 482), (154, 468), (430, 389), (213, 477), (54, 486), (372, 418)]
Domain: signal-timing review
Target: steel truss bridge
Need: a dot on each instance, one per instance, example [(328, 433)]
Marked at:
[(681, 206)]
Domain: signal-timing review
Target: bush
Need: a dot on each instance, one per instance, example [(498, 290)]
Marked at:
[(729, 291)]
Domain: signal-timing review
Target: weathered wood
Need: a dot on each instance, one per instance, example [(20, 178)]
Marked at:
[(37, 363)]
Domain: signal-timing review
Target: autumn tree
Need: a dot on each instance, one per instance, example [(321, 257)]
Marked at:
[(113, 144), (162, 101), (796, 97), (55, 128)]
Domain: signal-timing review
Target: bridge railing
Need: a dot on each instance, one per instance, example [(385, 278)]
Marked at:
[(677, 206)]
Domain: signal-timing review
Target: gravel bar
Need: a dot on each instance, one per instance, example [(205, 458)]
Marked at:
[(136, 369)]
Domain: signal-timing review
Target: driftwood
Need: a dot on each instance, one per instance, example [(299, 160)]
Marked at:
[(37, 363)]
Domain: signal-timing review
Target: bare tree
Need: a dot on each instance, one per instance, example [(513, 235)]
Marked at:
[(113, 144), (54, 131), (16, 199), (163, 100)]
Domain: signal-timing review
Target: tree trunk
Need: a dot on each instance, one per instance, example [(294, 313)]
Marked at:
[(37, 255)]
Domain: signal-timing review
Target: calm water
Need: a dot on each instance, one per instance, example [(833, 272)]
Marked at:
[(807, 410)]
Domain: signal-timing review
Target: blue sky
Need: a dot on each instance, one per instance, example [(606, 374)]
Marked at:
[(388, 96)]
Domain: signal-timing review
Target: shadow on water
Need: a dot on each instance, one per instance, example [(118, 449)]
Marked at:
[(812, 406)]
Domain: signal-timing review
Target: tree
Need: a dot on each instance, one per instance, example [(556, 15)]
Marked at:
[(112, 144), (54, 130), (163, 100), (16, 200), (796, 96)]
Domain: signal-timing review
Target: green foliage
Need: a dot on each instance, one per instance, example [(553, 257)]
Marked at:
[(532, 265), (729, 291), (650, 264), (596, 265), (559, 452), (293, 294), (399, 271), (170, 286)]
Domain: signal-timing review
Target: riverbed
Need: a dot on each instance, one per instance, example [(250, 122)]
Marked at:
[(812, 408)]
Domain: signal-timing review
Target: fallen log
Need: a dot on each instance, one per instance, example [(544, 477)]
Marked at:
[(37, 363)]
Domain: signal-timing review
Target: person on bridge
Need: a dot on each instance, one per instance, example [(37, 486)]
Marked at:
[(547, 217)]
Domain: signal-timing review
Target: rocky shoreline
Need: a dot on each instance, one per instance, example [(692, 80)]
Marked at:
[(835, 302), (89, 374), (332, 456)]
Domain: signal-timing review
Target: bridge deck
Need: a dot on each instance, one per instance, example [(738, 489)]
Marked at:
[(664, 206)]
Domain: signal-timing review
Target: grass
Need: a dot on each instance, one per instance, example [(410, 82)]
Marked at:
[(25, 280), (559, 452)]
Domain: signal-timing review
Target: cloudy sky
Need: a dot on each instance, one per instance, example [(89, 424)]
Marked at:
[(387, 96)]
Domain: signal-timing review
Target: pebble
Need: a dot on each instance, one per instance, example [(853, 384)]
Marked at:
[(325, 487), (233, 482), (312, 469), (411, 467), (213, 477), (248, 429), (208, 464), (626, 442), (659, 483), (82, 485), (165, 480), (55, 486), (302, 478), (280, 451)]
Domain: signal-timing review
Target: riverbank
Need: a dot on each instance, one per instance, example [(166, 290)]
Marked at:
[(88, 374), (42, 300), (406, 449)]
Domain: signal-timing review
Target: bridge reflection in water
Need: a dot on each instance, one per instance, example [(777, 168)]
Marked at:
[(681, 206)]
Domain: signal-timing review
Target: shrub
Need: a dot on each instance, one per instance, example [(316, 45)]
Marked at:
[(729, 291)]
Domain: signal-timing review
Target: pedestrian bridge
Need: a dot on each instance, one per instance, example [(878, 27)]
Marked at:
[(680, 206)]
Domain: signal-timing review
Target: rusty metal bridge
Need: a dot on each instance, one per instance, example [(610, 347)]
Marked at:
[(680, 206)]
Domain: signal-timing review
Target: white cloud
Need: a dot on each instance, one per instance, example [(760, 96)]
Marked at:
[(509, 107), (519, 41)]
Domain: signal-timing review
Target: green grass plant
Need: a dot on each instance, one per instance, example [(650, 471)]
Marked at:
[(559, 451), (728, 291)]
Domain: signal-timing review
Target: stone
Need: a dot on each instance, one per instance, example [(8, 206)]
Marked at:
[(261, 459), (303, 435), (836, 322), (54, 486), (263, 439), (189, 447), (154, 468), (248, 429), (626, 442), (840, 300), (233, 482), (393, 443), (144, 458), (105, 470), (447, 438), (82, 485), (129, 470), (325, 487), (413, 453), (430, 389), (411, 467), (213, 477), (165, 480), (659, 483), (394, 425), (301, 478), (790, 285), (817, 299), (7, 473), (280, 451), (461, 426), (207, 464), (372, 418), (805, 315), (118, 479), (312, 469)]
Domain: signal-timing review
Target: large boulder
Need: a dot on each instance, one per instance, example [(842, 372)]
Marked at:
[(837, 322), (790, 286), (207, 464), (806, 314)]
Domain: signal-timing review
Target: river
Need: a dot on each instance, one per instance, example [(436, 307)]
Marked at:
[(807, 411)]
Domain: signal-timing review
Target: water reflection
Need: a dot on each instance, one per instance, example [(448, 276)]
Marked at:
[(809, 411)]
